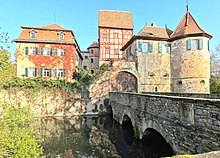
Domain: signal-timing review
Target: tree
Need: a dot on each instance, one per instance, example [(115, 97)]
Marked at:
[(215, 63), (17, 138)]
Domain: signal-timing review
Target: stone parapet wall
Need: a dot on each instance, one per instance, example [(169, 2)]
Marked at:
[(190, 125)]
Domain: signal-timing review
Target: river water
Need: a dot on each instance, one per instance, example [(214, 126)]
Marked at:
[(91, 137)]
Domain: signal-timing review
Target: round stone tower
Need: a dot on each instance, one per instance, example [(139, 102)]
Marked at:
[(190, 57)]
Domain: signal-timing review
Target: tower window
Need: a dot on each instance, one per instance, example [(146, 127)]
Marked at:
[(194, 44), (151, 74), (92, 61)]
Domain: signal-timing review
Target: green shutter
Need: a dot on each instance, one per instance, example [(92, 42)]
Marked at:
[(64, 52), (35, 72), (26, 72), (26, 50), (36, 50), (139, 46), (160, 47), (51, 51), (151, 47), (200, 43), (64, 73), (188, 44), (55, 72), (41, 72), (50, 72), (41, 51)]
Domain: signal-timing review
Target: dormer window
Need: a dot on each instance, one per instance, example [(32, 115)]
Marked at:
[(61, 35), (33, 33)]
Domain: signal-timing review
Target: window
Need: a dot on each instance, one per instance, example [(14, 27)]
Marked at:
[(194, 44), (33, 50), (33, 33), (61, 73), (92, 71), (91, 60), (116, 52), (166, 76), (61, 36), (104, 35), (107, 50), (147, 47), (115, 35), (92, 51), (59, 52), (86, 57), (84, 67), (46, 52), (31, 72), (179, 82), (46, 72)]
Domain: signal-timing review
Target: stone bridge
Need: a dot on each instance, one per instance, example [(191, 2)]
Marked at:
[(189, 124)]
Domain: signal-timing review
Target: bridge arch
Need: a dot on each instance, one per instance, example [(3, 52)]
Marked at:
[(151, 124), (125, 81)]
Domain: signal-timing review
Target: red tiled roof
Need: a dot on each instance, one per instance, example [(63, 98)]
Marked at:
[(115, 19), (188, 26), (48, 34), (157, 32)]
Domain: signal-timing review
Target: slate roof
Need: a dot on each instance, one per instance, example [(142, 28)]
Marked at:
[(94, 45), (188, 26), (115, 19)]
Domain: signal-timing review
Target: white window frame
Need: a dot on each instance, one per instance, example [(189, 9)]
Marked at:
[(32, 51), (46, 51), (33, 34), (46, 72), (60, 52), (61, 36), (31, 72), (60, 72), (194, 44)]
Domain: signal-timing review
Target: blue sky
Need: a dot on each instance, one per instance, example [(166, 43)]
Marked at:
[(82, 16)]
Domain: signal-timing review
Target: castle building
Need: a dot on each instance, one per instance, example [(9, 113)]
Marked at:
[(115, 28), (50, 51), (171, 61), (93, 50)]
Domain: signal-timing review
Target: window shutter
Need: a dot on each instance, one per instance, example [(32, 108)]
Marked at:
[(50, 72), (188, 43), (160, 47), (41, 51), (26, 72), (26, 50), (151, 47), (51, 51), (169, 48), (36, 50), (35, 72), (139, 46), (200, 43), (64, 73), (41, 72), (64, 52), (55, 72)]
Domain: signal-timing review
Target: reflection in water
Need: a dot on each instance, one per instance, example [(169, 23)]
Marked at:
[(89, 137)]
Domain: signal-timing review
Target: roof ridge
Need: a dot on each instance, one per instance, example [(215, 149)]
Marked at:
[(117, 11)]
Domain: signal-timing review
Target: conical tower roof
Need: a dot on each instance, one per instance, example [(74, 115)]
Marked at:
[(188, 27), (94, 45)]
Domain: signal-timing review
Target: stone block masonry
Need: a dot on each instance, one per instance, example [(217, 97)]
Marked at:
[(190, 125)]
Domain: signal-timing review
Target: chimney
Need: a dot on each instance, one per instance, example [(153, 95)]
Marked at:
[(153, 24)]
